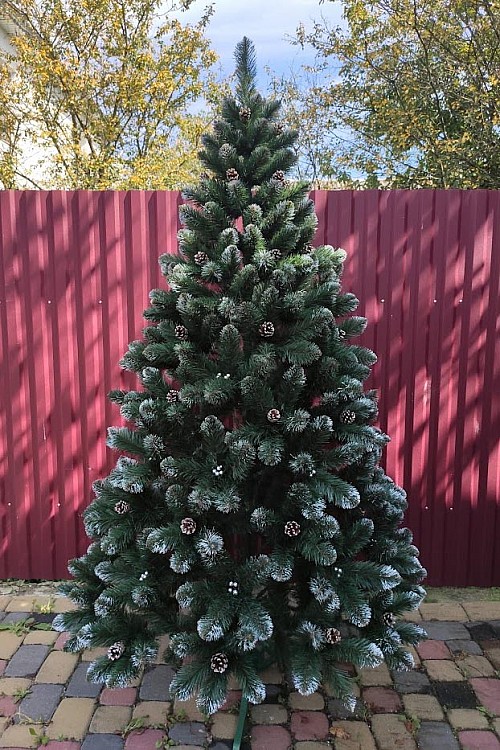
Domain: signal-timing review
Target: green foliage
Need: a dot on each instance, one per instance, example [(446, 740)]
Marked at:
[(404, 93), (247, 516)]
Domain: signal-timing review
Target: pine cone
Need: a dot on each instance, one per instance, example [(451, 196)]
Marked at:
[(115, 651), (245, 114), (266, 329), (181, 332), (219, 663), (200, 258), (389, 619), (279, 176), (348, 416), (333, 635), (292, 528), (122, 507), (172, 396), (232, 174), (273, 415), (275, 253), (188, 526)]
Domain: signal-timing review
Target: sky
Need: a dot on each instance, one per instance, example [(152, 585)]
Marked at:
[(266, 23)]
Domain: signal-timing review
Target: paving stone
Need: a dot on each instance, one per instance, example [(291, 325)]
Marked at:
[(90, 654), (224, 725), (433, 650), (61, 641), (15, 617), (45, 637), (382, 700), (80, 687), (482, 610), (4, 723), (110, 719), (411, 682), (189, 733), (273, 692), (26, 661), (71, 719), (443, 670), (233, 697), (391, 733), (424, 707), (412, 615), (103, 742), (493, 654), (446, 611), (63, 604), (57, 667), (480, 631), (467, 718), (64, 745), (163, 644), (337, 710), (314, 702), (358, 736), (156, 683), (219, 745), (9, 643), (436, 735), (416, 658), (41, 702), (4, 600), (118, 697), (269, 713), (153, 712), (8, 706), (267, 737), (375, 676), (272, 675), (488, 692), (308, 745), (445, 631), (18, 736), (188, 709), (309, 725), (144, 740), (464, 647), (330, 692), (496, 726), (477, 740), (455, 694), (3, 664), (21, 604), (476, 666), (12, 685)]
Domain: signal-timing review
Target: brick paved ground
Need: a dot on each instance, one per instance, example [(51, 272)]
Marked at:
[(450, 701)]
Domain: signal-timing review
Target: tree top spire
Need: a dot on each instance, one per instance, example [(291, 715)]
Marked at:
[(246, 68)]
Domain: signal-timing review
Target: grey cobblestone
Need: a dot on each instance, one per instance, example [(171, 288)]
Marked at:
[(445, 631), (434, 735), (189, 733), (26, 661), (465, 646), (103, 742), (411, 682), (79, 687), (41, 702), (156, 684)]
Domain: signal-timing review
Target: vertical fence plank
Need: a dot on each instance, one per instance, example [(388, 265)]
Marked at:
[(75, 273)]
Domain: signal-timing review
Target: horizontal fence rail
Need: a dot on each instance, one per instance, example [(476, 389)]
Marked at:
[(75, 272)]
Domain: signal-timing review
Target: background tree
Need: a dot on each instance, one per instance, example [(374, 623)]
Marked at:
[(106, 92), (248, 517), (412, 92)]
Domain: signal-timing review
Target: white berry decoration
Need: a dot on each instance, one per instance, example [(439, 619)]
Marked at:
[(218, 471), (292, 528), (333, 635), (115, 651), (219, 663), (266, 329), (188, 526), (273, 415), (122, 507), (233, 588)]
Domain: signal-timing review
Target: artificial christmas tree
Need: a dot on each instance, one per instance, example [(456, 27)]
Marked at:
[(248, 517)]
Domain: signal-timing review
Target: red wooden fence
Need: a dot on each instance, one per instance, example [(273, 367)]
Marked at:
[(74, 278)]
